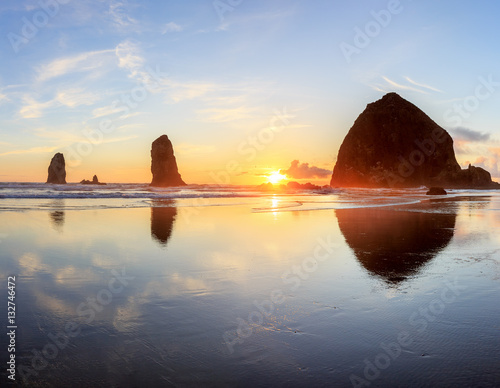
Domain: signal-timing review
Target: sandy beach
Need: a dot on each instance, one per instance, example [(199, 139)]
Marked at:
[(383, 287)]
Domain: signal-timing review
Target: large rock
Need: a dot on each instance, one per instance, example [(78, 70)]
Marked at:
[(164, 165), (57, 170), (394, 144)]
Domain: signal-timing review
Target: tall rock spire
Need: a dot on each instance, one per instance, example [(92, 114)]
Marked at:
[(57, 170), (164, 165)]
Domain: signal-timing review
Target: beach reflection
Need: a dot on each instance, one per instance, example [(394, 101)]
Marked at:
[(57, 216), (163, 214), (395, 244)]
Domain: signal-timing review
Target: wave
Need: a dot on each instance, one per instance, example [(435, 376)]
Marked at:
[(124, 191)]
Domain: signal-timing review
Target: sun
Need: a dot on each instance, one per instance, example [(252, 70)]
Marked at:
[(276, 177)]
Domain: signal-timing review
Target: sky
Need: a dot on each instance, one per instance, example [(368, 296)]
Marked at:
[(243, 88)]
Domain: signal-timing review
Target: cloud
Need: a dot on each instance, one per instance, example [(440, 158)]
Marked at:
[(171, 27), (397, 86), (70, 98), (304, 171), (34, 150), (391, 85), (119, 16), (83, 62), (423, 85), (3, 97), (469, 135), (75, 97), (223, 115), (130, 58), (33, 109), (190, 90)]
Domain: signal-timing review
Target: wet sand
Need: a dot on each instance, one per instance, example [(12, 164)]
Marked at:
[(253, 293)]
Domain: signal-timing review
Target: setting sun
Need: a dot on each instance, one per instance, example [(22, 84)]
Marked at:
[(276, 177)]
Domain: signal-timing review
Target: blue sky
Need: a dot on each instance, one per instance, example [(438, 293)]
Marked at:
[(242, 88)]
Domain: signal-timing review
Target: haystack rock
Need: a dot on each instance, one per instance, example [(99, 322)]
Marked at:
[(394, 144), (164, 165), (57, 170)]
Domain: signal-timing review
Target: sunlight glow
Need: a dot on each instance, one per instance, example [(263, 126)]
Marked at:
[(276, 177)]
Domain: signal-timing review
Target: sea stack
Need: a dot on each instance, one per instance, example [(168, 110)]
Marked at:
[(57, 170), (395, 144), (164, 165)]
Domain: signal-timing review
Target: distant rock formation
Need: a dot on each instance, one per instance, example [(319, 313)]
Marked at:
[(57, 170), (298, 186), (291, 186), (94, 181), (394, 144), (164, 165)]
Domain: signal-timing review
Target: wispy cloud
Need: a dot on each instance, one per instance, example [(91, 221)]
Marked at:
[(75, 97), (70, 98), (222, 115), (65, 138), (130, 58), (33, 109), (118, 12), (171, 27), (83, 62), (34, 150), (423, 85), (3, 97), (397, 86)]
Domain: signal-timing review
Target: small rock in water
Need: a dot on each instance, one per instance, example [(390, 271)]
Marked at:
[(437, 191)]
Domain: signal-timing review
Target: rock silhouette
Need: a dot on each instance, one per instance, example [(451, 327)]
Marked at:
[(164, 165), (394, 245), (163, 214), (394, 144), (94, 181), (57, 170), (436, 191)]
